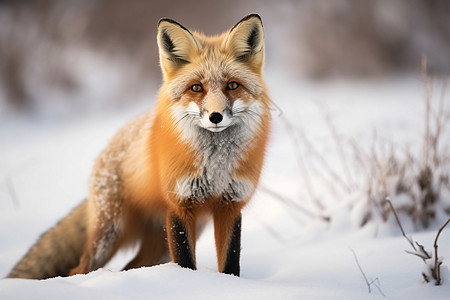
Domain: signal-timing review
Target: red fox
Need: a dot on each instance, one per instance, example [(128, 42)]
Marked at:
[(198, 154)]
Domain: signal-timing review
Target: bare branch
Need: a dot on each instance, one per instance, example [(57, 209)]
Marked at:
[(376, 283), (369, 284), (338, 142), (400, 225), (361, 270), (423, 251), (323, 163), (440, 122), (437, 263), (418, 254), (301, 163)]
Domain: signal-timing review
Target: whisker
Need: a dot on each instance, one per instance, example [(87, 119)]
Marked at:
[(193, 112), (246, 115), (181, 119), (247, 111)]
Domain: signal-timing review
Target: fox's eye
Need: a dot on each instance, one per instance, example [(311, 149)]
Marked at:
[(232, 85), (196, 88)]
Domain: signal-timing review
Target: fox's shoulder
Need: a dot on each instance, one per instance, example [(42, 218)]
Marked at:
[(125, 141), (136, 129)]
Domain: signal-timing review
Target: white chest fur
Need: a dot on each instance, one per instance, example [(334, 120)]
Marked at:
[(219, 154)]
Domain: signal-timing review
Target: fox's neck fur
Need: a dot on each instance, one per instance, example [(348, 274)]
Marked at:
[(217, 156)]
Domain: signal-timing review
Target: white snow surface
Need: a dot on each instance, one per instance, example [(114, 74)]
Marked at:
[(45, 165)]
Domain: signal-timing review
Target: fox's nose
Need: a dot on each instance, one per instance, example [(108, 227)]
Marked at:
[(215, 118)]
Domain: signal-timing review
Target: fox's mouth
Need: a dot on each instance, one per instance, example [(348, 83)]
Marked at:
[(216, 128)]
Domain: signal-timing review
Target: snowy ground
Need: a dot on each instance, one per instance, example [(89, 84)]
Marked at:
[(44, 167)]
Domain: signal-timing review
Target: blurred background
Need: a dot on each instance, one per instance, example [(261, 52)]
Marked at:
[(345, 76), (59, 58)]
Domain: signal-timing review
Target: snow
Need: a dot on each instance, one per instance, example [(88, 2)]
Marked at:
[(286, 254)]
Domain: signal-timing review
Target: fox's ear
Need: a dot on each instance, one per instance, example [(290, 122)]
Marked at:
[(246, 40), (176, 45)]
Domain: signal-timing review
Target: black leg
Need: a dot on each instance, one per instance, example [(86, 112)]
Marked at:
[(234, 250), (181, 237)]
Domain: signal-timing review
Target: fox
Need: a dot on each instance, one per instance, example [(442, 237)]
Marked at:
[(196, 157)]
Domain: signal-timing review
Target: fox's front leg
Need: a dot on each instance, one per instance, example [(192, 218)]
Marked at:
[(180, 227), (227, 231)]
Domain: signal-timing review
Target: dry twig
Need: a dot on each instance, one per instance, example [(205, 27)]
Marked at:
[(350, 184), (400, 225), (368, 283), (422, 253), (301, 163), (437, 264)]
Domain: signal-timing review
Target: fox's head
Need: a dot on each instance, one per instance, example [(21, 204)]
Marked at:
[(215, 82)]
